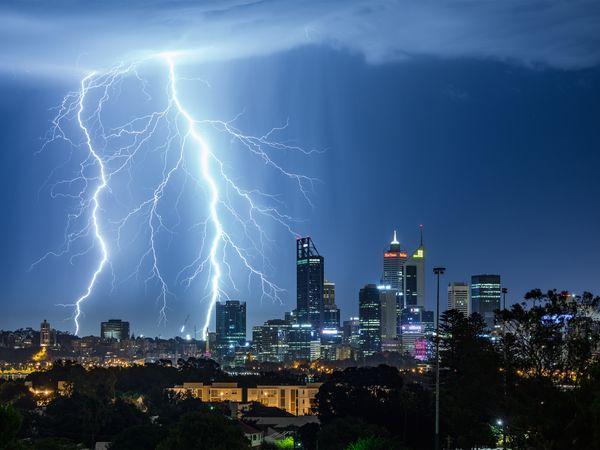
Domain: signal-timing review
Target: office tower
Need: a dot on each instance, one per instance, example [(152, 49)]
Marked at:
[(45, 334), (393, 266), (416, 325), (331, 313), (114, 329), (389, 315), (270, 340), (230, 325), (458, 297), (414, 277), (369, 314), (309, 283), (351, 332), (303, 342), (485, 296), (331, 340)]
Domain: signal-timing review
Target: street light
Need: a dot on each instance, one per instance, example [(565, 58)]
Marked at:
[(500, 422), (437, 271)]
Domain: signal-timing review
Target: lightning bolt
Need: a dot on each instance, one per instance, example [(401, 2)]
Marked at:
[(95, 207), (114, 155)]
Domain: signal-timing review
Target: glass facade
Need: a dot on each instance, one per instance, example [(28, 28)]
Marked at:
[(485, 296), (309, 283), (230, 325)]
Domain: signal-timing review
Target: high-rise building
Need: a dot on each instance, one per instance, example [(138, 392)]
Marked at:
[(416, 325), (45, 334), (309, 283), (303, 342), (485, 296), (414, 277), (393, 266), (114, 329), (331, 313), (270, 340), (389, 316), (230, 325), (351, 332), (458, 297), (369, 314)]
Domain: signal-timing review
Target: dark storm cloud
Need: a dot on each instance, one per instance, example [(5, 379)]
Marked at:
[(63, 35)]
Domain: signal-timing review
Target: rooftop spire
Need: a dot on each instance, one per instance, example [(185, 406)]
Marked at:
[(421, 230), (395, 240)]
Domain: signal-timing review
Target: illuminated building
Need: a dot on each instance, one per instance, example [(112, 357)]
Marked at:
[(114, 329), (216, 392), (414, 277), (309, 283), (45, 334), (303, 343), (331, 313), (458, 297), (416, 324), (351, 332), (230, 321), (485, 296), (270, 340), (331, 339), (296, 400), (369, 314), (393, 266), (389, 316)]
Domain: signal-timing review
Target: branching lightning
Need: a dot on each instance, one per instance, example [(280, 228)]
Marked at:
[(109, 192)]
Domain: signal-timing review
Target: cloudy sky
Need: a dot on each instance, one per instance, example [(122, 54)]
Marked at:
[(476, 118)]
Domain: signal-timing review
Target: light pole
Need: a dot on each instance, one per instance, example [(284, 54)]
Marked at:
[(438, 271), (504, 292)]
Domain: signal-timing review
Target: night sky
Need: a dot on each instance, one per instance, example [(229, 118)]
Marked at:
[(477, 120)]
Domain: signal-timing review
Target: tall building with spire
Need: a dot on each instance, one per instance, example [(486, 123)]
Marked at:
[(310, 277), (414, 276), (393, 266)]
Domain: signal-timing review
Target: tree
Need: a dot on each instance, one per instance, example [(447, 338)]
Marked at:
[(204, 431), (10, 424), (378, 396), (138, 437), (339, 433), (553, 399), (471, 381)]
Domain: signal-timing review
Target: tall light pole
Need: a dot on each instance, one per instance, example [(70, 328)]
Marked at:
[(437, 271), (504, 291)]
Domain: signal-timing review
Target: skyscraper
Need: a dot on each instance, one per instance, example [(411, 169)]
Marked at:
[(485, 296), (270, 340), (331, 313), (458, 297), (416, 325), (230, 324), (393, 266), (114, 329), (309, 283), (351, 332), (389, 315), (45, 334), (369, 314), (414, 277)]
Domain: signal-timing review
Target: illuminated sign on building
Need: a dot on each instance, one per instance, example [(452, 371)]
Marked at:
[(395, 254)]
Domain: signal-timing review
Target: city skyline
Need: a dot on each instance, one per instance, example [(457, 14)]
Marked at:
[(489, 142), (346, 313)]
